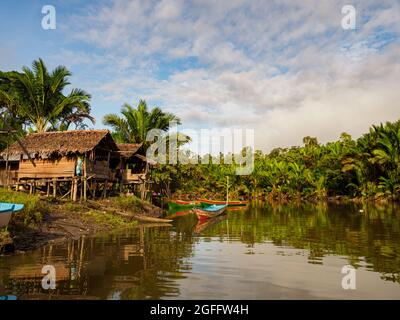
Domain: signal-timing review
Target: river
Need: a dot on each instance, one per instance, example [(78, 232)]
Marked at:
[(259, 252)]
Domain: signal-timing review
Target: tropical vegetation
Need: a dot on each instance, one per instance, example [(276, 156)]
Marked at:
[(134, 124), (368, 167), (35, 98)]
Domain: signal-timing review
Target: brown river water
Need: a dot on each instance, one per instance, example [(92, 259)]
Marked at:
[(259, 252)]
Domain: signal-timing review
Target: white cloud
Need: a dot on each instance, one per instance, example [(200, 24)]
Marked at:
[(285, 68)]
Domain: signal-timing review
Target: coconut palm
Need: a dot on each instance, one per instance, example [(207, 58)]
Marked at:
[(37, 95), (11, 122), (135, 123)]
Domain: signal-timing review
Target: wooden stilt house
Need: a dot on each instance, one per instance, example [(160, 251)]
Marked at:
[(134, 168), (66, 162)]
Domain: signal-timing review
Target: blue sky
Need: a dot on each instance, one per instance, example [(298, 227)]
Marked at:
[(283, 68)]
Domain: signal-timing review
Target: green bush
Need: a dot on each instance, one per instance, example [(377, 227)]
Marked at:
[(33, 208), (127, 202)]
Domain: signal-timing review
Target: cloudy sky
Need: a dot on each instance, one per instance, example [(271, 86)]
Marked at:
[(286, 69)]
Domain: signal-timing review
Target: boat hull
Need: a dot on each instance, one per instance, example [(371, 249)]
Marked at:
[(206, 214), (6, 210), (5, 218), (178, 204), (206, 203)]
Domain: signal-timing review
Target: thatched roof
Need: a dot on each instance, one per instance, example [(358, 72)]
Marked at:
[(145, 159), (63, 143), (128, 149)]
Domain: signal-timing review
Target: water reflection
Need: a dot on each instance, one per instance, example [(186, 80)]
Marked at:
[(278, 251)]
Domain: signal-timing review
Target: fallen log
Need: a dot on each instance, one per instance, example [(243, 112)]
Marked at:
[(154, 225), (142, 217)]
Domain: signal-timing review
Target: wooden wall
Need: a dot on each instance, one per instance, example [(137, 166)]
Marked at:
[(64, 167), (12, 176), (100, 169)]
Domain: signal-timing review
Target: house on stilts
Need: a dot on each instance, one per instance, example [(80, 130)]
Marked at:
[(75, 164)]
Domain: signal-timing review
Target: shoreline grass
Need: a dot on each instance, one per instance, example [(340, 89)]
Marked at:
[(67, 219)]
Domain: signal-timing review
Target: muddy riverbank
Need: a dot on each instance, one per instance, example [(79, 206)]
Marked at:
[(58, 221)]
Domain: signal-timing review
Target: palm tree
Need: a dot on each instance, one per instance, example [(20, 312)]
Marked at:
[(387, 152), (8, 103), (11, 122), (135, 123), (37, 95)]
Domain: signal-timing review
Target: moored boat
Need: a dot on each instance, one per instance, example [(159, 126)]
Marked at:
[(231, 203), (181, 204), (6, 210), (210, 211)]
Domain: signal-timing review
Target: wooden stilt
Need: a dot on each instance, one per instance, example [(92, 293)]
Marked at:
[(54, 187), (84, 189), (81, 190), (95, 186), (7, 168), (108, 168), (48, 189), (105, 189), (84, 179), (75, 189)]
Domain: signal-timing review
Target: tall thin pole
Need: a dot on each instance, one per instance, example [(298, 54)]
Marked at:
[(227, 189), (7, 171), (84, 179)]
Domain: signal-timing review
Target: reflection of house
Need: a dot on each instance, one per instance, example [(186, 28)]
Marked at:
[(86, 159), (63, 272)]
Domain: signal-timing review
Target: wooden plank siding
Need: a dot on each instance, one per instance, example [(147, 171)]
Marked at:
[(12, 176), (100, 170), (64, 167)]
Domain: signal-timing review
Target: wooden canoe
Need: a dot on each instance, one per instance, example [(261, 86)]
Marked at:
[(210, 211), (181, 204), (6, 210), (231, 203)]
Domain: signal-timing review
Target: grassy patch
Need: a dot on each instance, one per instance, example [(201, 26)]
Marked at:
[(127, 203), (4, 235), (33, 208), (75, 207), (106, 219), (101, 212)]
